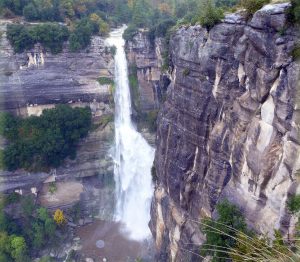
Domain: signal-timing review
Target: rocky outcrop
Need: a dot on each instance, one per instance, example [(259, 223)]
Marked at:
[(38, 77), (229, 129), (145, 58), (35, 80)]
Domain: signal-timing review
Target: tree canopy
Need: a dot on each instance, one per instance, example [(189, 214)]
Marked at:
[(45, 141)]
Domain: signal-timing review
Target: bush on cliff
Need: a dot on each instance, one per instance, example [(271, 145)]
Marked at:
[(130, 32), (293, 13), (252, 6), (42, 142), (220, 233), (210, 15)]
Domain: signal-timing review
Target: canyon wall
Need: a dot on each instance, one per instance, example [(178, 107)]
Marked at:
[(38, 77), (34, 80), (229, 128), (145, 58)]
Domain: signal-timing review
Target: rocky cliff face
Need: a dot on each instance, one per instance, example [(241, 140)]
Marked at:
[(145, 59), (228, 129), (38, 77), (35, 80)]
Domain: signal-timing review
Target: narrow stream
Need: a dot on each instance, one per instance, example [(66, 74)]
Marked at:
[(133, 155)]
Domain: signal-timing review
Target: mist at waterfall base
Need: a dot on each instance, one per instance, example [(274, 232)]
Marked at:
[(133, 155)]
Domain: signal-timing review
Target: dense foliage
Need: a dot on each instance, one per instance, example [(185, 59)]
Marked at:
[(115, 11), (210, 15), (50, 35), (220, 233), (21, 237), (45, 141), (293, 203)]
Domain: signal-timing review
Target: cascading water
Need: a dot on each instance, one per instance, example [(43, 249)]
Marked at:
[(133, 155)]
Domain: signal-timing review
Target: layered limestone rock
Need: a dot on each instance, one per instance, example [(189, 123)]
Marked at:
[(35, 80), (38, 77), (146, 58), (228, 129)]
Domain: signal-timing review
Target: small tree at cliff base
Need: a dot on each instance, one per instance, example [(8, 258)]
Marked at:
[(59, 217)]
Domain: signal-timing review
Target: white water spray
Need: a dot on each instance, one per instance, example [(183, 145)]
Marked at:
[(133, 155)]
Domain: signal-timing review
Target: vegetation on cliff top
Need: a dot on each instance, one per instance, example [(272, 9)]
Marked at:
[(51, 36), (42, 142)]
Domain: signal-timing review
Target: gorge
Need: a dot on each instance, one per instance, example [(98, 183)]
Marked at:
[(227, 129)]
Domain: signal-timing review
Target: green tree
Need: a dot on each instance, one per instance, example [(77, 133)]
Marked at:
[(220, 233), (28, 206), (293, 203), (18, 249), (210, 15), (30, 12)]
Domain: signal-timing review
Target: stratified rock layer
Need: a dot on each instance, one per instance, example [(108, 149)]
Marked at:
[(145, 57), (36, 80), (228, 129), (39, 77)]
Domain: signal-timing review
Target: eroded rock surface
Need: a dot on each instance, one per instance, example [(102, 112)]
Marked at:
[(39, 77), (228, 129), (36, 80), (146, 57)]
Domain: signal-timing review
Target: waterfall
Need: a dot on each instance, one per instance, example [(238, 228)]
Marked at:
[(133, 155)]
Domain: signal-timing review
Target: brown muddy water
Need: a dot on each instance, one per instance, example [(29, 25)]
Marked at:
[(105, 240)]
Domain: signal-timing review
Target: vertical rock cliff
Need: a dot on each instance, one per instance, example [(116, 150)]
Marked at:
[(145, 59), (229, 129)]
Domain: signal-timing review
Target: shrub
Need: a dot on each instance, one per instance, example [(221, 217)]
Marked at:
[(40, 142), (186, 72), (12, 198), (154, 174), (81, 37), (293, 13), (296, 52), (220, 233), (52, 188), (59, 217), (130, 32), (210, 15), (293, 204), (252, 6), (20, 38), (105, 81)]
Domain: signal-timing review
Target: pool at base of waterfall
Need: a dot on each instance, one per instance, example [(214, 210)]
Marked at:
[(105, 241)]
